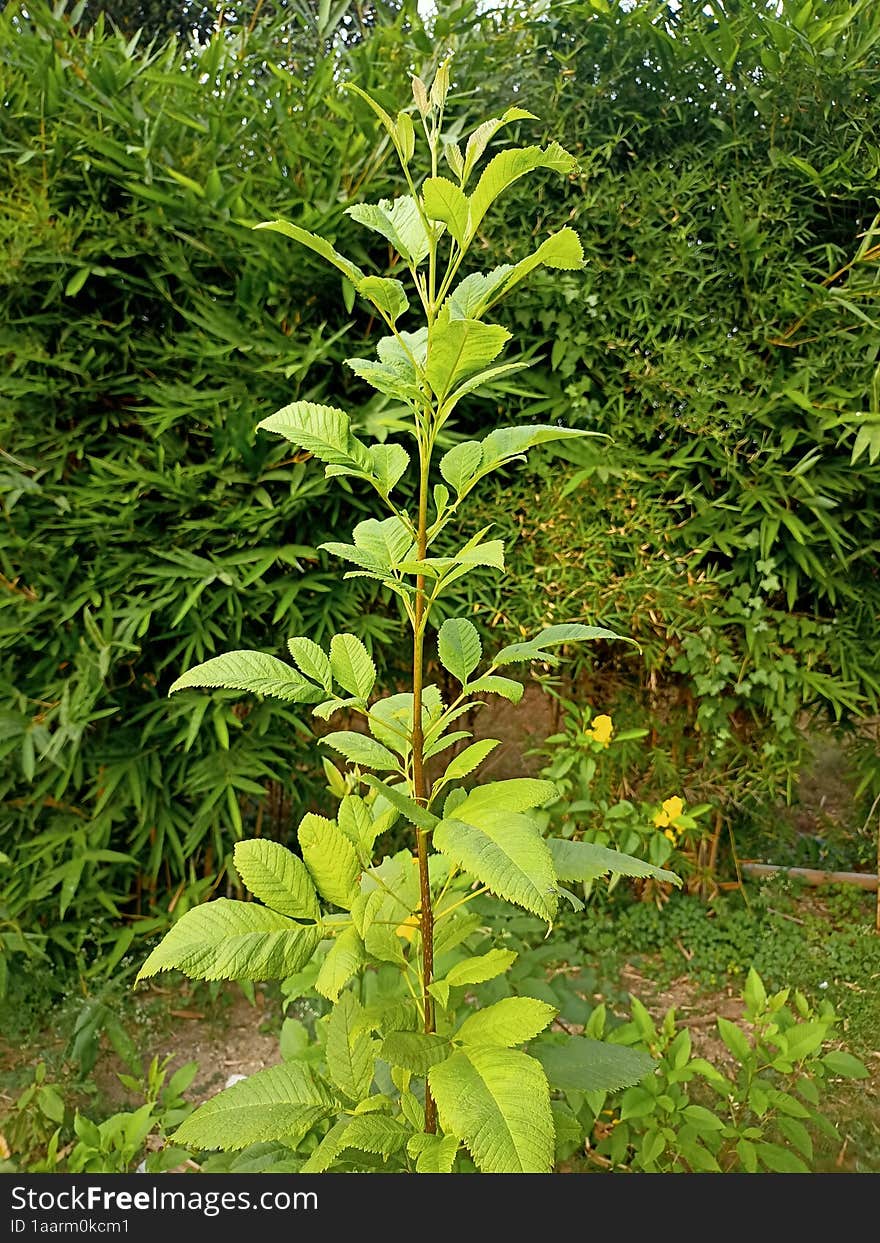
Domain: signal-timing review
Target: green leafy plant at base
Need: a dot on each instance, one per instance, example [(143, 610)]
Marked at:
[(444, 1084), (759, 1114), (43, 1134)]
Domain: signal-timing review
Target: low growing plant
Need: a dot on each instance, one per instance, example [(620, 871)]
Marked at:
[(43, 1133), (759, 1112), (404, 1080)]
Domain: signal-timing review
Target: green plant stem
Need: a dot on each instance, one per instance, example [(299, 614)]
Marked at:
[(420, 788)]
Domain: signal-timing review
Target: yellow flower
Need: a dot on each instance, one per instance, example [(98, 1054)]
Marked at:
[(669, 812), (408, 928), (669, 833), (602, 730)]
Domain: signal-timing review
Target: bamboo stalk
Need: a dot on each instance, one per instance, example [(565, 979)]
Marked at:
[(814, 876)]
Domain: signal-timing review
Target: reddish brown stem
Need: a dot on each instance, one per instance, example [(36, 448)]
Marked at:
[(420, 785)]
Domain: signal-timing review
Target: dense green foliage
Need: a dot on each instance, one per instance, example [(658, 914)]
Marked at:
[(724, 337)]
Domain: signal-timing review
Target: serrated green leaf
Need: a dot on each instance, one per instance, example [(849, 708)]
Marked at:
[(458, 348), (748, 1156), (845, 1065), (459, 466), (415, 1051), (507, 167), (804, 1039), (445, 201), (394, 379), (779, 1160), (479, 140), (388, 462), (350, 1050), (399, 222), (312, 660), (459, 647), (507, 443), (359, 749), (323, 431), (797, 1134), (553, 636), (585, 861), (473, 971), (516, 794), (252, 672), (579, 1064), (388, 295), (279, 1104), (366, 1132), (351, 664), (735, 1039), (505, 852), (477, 291), (497, 1102), (470, 759), (318, 244), (344, 959), (509, 1022), (330, 858), (277, 877), (702, 1119), (413, 811), (492, 684), (388, 541), (227, 940), (391, 722), (433, 1154), (355, 821)]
